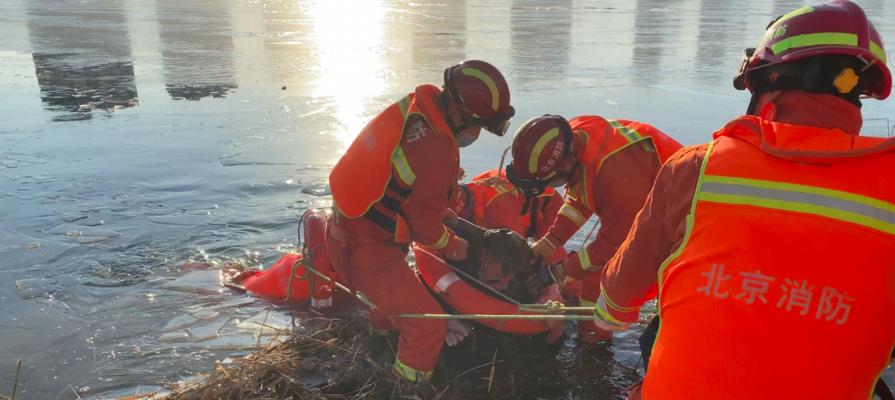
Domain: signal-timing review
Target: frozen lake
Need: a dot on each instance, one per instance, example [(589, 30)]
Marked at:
[(137, 135)]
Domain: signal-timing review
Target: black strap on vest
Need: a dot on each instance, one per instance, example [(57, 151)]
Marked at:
[(391, 203), (533, 205), (531, 208)]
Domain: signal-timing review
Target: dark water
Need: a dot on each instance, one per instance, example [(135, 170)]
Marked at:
[(140, 134)]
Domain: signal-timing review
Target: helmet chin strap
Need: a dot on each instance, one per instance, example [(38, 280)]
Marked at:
[(450, 120), (753, 104), (768, 110), (443, 99)]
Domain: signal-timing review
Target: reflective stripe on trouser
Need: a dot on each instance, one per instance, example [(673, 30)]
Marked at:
[(411, 374), (590, 291), (380, 272)]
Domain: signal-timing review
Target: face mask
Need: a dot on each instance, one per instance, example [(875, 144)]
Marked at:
[(464, 139)]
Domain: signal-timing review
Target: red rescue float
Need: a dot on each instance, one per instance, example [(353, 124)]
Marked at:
[(273, 283)]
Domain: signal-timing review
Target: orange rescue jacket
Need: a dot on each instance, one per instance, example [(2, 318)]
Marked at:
[(604, 138), (489, 185), (784, 283), (374, 168)]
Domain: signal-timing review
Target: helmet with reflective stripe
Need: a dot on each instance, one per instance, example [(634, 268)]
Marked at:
[(483, 91), (542, 151), (836, 28)]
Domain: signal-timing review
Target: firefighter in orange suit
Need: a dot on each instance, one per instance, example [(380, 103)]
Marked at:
[(393, 187), (772, 247), (607, 167), (490, 201)]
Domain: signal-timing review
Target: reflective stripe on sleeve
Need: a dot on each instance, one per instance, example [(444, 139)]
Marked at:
[(604, 319), (572, 214), (445, 282), (399, 161), (584, 259), (611, 304), (443, 240)]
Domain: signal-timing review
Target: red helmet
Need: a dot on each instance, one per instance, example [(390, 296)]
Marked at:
[(837, 28), (483, 92), (542, 150)]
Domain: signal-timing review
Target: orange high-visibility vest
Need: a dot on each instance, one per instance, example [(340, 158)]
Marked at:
[(784, 284), (604, 138), (487, 186), (362, 175)]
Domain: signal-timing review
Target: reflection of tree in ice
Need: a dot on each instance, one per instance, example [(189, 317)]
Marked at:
[(64, 87), (439, 36), (723, 34), (655, 22), (541, 38), (87, 71), (197, 92), (197, 49)]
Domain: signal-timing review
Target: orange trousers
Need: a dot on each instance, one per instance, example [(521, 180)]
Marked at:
[(378, 268)]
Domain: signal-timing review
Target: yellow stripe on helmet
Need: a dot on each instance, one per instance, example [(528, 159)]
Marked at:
[(815, 39), (878, 51), (492, 86), (539, 147), (794, 13)]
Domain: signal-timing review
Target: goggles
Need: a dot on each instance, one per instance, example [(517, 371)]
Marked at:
[(739, 81), (535, 187), (497, 124), (532, 187)]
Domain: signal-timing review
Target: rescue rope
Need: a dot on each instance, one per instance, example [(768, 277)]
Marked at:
[(358, 295), (503, 157), (557, 307), (483, 284), (305, 255), (546, 317), (549, 317), (292, 276)]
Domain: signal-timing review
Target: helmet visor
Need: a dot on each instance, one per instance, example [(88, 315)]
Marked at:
[(530, 186), (499, 124)]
